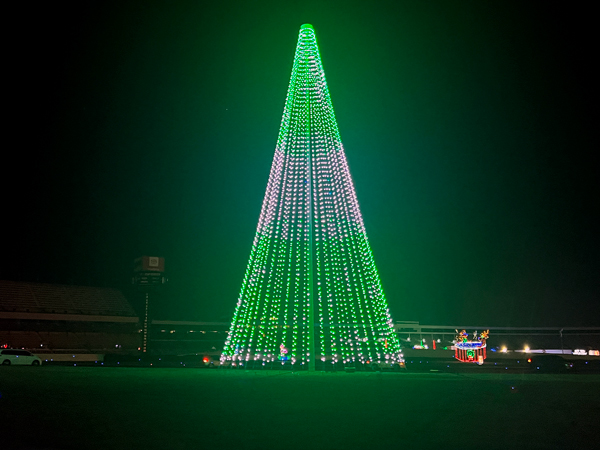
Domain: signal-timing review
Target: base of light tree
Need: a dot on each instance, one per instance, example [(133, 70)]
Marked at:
[(320, 366)]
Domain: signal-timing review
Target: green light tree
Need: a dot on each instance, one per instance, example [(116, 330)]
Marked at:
[(311, 292)]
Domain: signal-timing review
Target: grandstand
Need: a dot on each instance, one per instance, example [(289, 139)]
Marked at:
[(64, 319)]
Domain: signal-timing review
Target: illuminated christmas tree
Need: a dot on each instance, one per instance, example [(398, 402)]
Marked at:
[(311, 291)]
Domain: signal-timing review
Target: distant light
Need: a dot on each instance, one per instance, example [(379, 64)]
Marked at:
[(579, 351), (526, 349), (594, 353), (504, 349)]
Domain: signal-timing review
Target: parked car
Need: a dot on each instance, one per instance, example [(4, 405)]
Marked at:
[(21, 357)]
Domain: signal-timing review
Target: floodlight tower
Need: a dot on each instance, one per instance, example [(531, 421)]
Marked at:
[(311, 292)]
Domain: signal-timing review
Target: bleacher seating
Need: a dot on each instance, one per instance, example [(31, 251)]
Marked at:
[(16, 297), (62, 299)]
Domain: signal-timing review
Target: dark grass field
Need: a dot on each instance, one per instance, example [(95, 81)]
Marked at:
[(146, 408)]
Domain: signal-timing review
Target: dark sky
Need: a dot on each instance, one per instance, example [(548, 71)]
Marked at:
[(149, 128)]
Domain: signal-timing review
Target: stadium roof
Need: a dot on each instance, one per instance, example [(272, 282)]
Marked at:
[(19, 298)]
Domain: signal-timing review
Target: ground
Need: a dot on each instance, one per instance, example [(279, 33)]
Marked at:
[(149, 408)]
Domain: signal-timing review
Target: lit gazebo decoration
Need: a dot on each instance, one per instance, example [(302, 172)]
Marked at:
[(471, 350)]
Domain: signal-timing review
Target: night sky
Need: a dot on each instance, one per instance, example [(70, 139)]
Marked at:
[(148, 128)]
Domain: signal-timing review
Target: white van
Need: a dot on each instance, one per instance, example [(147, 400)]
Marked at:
[(21, 357)]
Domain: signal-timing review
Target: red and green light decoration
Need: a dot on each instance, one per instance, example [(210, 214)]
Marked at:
[(471, 350), (311, 291)]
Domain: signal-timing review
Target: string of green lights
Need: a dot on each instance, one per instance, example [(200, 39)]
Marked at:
[(311, 290)]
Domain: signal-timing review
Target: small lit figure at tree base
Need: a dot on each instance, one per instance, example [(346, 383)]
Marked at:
[(283, 353)]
